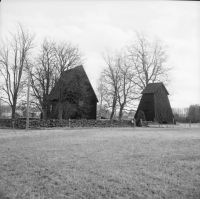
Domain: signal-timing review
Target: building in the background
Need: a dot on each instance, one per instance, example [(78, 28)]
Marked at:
[(155, 104)]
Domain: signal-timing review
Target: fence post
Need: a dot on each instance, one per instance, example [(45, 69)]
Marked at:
[(173, 122), (69, 122)]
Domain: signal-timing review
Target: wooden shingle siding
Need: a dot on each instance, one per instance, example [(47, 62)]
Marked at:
[(162, 107), (75, 92), (155, 104)]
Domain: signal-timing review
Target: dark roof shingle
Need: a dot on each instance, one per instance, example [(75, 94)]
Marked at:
[(153, 87), (67, 82)]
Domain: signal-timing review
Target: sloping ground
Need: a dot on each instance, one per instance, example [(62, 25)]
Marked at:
[(100, 163)]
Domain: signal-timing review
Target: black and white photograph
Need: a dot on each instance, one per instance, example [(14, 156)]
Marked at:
[(99, 99)]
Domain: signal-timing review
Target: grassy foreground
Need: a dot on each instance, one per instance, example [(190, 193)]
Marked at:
[(100, 163)]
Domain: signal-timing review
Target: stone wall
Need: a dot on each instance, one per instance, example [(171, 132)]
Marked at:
[(37, 123), (100, 123)]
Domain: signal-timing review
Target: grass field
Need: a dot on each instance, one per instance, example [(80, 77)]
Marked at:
[(100, 163)]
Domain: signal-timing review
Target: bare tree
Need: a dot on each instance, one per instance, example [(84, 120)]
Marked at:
[(42, 75), (68, 56), (13, 55), (127, 91), (116, 87), (110, 82), (149, 61), (102, 91)]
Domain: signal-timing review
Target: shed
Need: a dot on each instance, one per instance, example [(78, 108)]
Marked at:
[(155, 104)]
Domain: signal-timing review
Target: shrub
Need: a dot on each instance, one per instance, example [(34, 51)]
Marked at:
[(140, 115)]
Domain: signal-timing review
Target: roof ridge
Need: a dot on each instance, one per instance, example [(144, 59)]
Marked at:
[(153, 87)]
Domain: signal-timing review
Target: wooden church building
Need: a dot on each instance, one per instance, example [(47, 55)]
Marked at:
[(73, 96), (155, 104)]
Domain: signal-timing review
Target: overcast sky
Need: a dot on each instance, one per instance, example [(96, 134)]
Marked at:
[(97, 25)]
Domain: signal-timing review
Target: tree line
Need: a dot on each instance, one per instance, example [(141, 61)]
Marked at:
[(17, 55), (127, 72), (190, 114)]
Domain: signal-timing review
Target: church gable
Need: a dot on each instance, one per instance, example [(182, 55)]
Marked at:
[(75, 94), (71, 82)]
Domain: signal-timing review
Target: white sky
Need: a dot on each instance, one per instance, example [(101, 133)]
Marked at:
[(97, 25)]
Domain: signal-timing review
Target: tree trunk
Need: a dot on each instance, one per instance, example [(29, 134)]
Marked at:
[(44, 107), (121, 112), (14, 107), (13, 111), (113, 108)]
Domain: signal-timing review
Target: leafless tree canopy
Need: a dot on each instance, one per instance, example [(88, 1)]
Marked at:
[(110, 82), (67, 55), (42, 75), (116, 86), (101, 89), (14, 53), (127, 90), (149, 61)]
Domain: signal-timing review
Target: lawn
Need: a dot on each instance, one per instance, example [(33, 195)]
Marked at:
[(100, 163)]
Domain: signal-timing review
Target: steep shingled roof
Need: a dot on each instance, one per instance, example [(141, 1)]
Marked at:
[(66, 82), (153, 87)]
